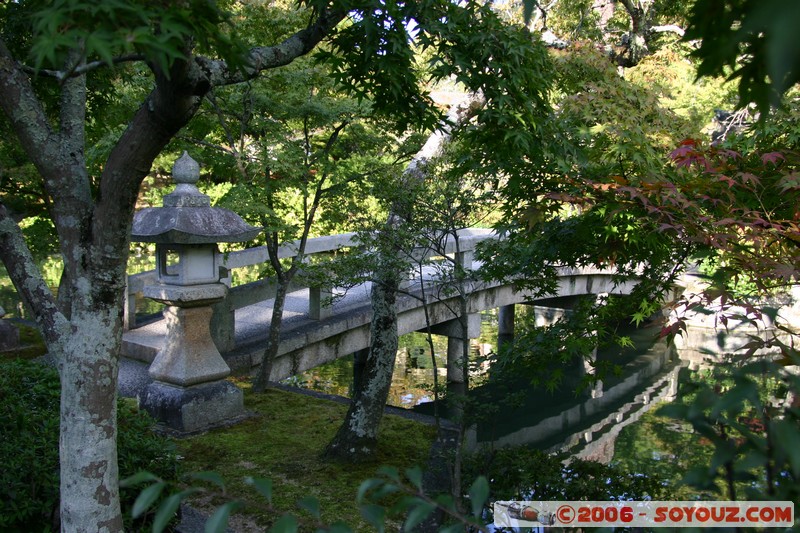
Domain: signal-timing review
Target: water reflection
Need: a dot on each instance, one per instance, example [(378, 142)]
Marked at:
[(665, 449), (581, 422), (412, 381), (546, 419)]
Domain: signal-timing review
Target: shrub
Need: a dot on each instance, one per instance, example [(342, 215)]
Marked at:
[(29, 402), (29, 427)]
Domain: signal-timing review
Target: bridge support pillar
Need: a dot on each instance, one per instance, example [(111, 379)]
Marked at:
[(547, 316), (465, 259), (457, 346), (455, 362), (505, 326), (596, 391), (457, 377)]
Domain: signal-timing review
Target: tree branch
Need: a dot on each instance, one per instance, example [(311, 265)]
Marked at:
[(214, 146), (458, 114), (24, 111), (629, 7), (28, 280), (668, 28), (167, 109), (266, 57), (80, 70), (57, 156), (72, 118)]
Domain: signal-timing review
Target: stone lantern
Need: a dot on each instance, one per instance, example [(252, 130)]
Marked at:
[(189, 392)]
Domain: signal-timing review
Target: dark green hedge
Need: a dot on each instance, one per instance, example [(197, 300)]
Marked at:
[(29, 473)]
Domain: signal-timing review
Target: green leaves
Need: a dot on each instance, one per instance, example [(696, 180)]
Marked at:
[(788, 436), (161, 33), (755, 439), (167, 509), (373, 58), (478, 494), (375, 515), (310, 505), (753, 42), (263, 486), (418, 514), (285, 524), (393, 495), (147, 498), (218, 522), (211, 477)]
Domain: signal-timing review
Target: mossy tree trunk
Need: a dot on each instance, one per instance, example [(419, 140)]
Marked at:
[(358, 435), (639, 12)]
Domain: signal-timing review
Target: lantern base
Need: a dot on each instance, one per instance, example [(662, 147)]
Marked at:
[(189, 410)]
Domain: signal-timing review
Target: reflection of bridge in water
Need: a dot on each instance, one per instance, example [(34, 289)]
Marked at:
[(316, 331), (587, 425)]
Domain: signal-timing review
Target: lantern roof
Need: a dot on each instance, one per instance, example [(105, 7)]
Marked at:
[(187, 216)]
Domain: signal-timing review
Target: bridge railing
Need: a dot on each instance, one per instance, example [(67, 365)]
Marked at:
[(240, 296)]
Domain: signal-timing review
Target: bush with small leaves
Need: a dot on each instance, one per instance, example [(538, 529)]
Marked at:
[(29, 469)]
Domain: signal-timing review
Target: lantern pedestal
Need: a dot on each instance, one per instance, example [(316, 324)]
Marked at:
[(188, 410), (188, 393), (189, 356)]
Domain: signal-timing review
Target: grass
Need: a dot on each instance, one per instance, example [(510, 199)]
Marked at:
[(284, 442)]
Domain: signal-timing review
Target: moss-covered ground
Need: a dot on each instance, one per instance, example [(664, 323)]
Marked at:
[(283, 442)]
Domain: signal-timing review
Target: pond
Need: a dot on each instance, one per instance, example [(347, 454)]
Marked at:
[(666, 449), (412, 381), (621, 426)]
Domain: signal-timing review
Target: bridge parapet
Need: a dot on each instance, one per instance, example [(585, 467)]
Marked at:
[(250, 293)]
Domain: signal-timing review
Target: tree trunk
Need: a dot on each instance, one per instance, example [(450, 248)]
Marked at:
[(86, 350), (274, 340), (637, 38), (85, 334), (88, 442), (358, 435)]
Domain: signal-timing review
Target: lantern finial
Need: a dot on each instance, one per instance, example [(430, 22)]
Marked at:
[(186, 173), (186, 169)]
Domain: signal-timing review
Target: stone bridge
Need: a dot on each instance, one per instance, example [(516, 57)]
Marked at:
[(318, 329)]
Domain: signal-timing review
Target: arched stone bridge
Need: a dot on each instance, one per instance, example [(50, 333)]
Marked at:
[(314, 334)]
